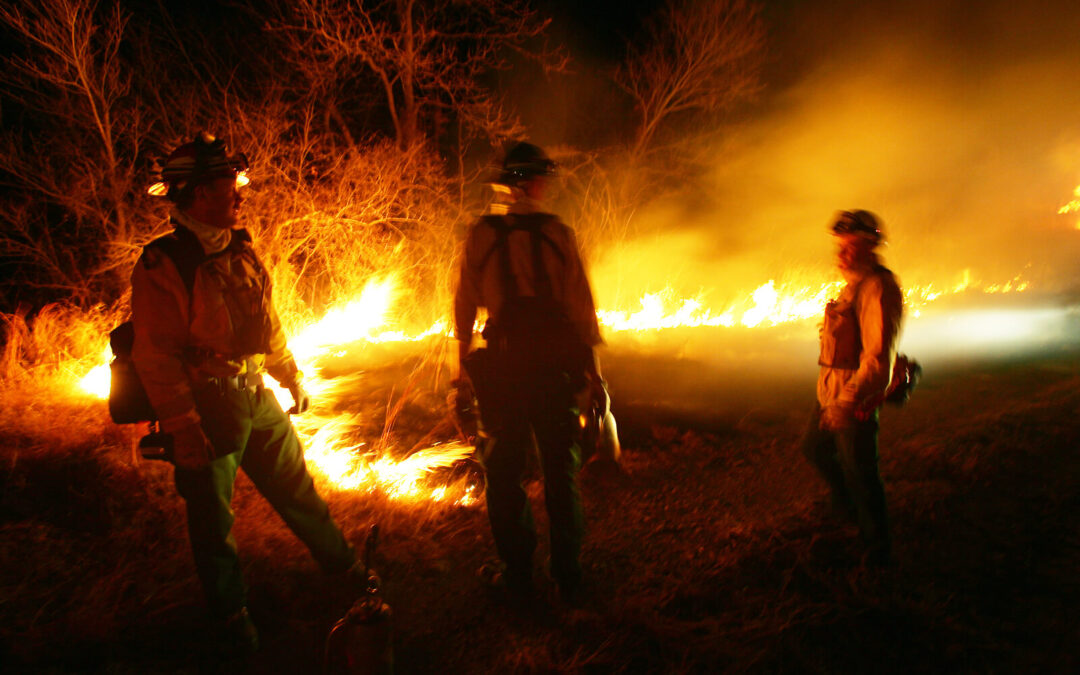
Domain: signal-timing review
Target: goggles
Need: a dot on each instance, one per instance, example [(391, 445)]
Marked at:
[(205, 158)]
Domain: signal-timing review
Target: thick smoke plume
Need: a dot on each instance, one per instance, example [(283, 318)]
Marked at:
[(958, 123)]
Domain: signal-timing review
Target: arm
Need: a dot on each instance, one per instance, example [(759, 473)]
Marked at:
[(880, 308), (579, 297), (159, 309), (466, 301), (281, 365)]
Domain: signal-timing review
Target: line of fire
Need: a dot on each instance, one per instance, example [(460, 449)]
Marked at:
[(708, 159)]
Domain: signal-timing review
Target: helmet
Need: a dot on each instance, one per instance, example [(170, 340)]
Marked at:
[(202, 160), (860, 223), (525, 161)]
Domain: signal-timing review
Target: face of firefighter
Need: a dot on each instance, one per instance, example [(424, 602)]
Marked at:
[(217, 203), (853, 252), (535, 188)]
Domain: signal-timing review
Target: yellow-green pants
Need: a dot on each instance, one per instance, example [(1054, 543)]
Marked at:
[(249, 430)]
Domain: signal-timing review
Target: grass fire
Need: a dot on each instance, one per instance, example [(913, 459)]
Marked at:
[(710, 160)]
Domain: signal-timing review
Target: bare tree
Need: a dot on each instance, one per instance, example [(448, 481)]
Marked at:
[(427, 58), (72, 165), (700, 56)]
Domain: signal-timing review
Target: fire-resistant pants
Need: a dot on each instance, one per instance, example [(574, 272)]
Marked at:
[(269, 452), (542, 406), (848, 461)]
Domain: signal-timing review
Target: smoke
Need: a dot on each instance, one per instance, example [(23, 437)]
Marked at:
[(957, 123)]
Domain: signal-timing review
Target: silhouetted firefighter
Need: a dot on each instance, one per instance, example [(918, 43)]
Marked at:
[(525, 268), (858, 353), (205, 330)]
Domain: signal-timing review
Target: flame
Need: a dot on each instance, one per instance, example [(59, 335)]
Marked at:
[(772, 304), (331, 439), (347, 467), (356, 320), (96, 382), (1073, 206), (766, 304)]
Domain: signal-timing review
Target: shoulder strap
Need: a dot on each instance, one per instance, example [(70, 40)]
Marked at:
[(185, 251), (502, 247), (533, 224), (543, 281)]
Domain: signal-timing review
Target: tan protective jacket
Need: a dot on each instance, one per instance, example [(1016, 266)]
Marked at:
[(480, 282), (859, 338), (226, 326)]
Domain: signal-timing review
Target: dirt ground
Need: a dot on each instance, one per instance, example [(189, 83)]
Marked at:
[(710, 552)]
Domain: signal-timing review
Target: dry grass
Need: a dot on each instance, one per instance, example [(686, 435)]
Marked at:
[(708, 555)]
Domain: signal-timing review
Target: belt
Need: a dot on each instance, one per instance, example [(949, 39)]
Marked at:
[(241, 382)]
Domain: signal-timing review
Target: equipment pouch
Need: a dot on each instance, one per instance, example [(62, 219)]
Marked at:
[(128, 402), (906, 374), (489, 382), (840, 339)]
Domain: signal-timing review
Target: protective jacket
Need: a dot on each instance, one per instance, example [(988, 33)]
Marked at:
[(224, 326), (480, 283), (859, 338)]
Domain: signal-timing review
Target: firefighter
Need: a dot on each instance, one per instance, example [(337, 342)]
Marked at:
[(525, 268), (858, 349), (206, 332)]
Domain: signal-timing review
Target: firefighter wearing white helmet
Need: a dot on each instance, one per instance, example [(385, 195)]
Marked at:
[(858, 349), (525, 268), (205, 333)]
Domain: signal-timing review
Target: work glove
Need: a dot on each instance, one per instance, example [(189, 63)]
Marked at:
[(838, 416), (301, 400), (191, 448)]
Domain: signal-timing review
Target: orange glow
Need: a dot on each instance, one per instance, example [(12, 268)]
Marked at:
[(96, 382), (331, 440), (1073, 206)]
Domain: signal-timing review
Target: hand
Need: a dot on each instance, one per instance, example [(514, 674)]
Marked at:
[(462, 397), (191, 448), (838, 416), (600, 393), (462, 402), (300, 398)]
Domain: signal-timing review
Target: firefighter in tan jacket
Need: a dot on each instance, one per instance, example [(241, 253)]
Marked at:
[(205, 332), (858, 349)]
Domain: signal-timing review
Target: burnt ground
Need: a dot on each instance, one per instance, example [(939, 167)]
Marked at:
[(711, 552)]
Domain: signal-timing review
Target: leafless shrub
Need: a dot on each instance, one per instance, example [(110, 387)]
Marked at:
[(73, 165), (700, 57), (425, 59)]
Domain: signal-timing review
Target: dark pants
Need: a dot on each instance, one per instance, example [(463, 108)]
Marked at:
[(848, 461), (542, 406), (271, 456)]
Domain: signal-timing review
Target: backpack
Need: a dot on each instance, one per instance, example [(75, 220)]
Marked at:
[(906, 374), (532, 334), (128, 402)]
